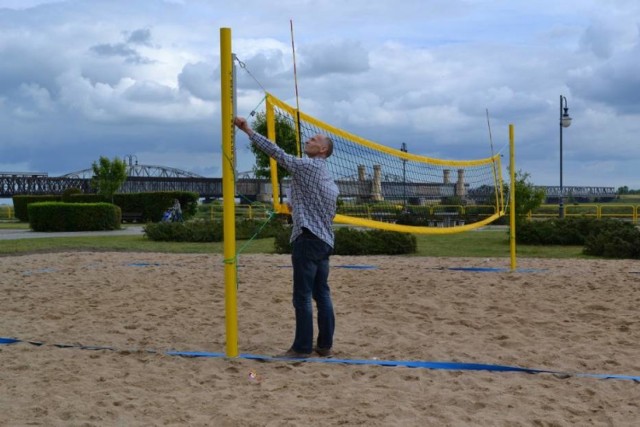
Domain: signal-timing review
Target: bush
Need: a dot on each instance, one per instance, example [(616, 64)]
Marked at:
[(413, 218), (622, 242), (601, 237), (192, 231), (281, 243), (565, 231), (66, 194), (21, 203), (373, 242), (350, 241), (152, 205), (59, 216)]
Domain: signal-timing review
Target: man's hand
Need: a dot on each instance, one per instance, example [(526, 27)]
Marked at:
[(243, 125)]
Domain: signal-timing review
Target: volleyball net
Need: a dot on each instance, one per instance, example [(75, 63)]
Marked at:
[(391, 189)]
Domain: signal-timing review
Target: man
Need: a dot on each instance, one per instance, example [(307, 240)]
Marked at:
[(313, 201)]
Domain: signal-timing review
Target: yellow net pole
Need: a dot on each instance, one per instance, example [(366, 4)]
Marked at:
[(228, 193), (512, 198), (273, 166)]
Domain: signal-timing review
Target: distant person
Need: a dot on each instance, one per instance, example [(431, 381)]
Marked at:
[(174, 213), (313, 199)]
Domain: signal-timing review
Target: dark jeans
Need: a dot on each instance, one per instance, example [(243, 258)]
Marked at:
[(310, 259)]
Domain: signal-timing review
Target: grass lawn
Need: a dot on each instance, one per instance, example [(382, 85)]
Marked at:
[(481, 243), (120, 243), (13, 225), (489, 244)]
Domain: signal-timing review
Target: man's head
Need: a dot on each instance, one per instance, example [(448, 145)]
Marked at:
[(318, 146)]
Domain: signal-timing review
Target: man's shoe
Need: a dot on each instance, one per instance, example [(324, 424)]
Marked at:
[(292, 354), (324, 352)]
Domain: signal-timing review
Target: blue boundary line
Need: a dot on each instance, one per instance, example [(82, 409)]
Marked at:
[(448, 366), (497, 270)]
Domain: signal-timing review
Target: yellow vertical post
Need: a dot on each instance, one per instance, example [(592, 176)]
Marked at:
[(271, 134), (228, 193), (512, 198)]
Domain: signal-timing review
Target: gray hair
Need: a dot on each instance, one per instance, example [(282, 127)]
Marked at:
[(329, 143)]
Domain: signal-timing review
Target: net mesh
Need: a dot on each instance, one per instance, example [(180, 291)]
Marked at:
[(385, 188)]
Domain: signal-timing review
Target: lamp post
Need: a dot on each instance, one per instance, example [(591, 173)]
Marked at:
[(565, 122), (403, 148)]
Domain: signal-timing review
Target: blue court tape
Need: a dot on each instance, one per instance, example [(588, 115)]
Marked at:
[(144, 264), (448, 366), (495, 269)]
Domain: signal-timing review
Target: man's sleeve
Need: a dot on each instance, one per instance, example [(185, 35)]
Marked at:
[(285, 160)]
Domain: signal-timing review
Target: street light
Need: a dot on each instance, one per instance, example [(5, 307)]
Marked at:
[(403, 148), (565, 122)]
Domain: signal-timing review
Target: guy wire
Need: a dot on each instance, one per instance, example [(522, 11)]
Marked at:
[(295, 79), (489, 126), (244, 67), (493, 164)]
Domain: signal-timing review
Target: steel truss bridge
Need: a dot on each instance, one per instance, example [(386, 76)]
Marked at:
[(579, 193), (140, 178), (248, 189), (154, 178)]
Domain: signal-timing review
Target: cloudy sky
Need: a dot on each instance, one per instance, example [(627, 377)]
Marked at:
[(85, 78)]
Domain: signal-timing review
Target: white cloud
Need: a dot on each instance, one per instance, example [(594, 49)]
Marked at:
[(81, 77), (199, 80)]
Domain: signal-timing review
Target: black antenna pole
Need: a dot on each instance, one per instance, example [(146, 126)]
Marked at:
[(295, 78)]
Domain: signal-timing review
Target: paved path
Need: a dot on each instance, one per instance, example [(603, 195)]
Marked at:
[(136, 230), (13, 234)]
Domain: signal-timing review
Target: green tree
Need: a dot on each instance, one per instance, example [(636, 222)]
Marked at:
[(527, 196), (285, 138), (108, 176)]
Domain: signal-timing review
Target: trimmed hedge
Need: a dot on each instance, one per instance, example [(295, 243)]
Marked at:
[(565, 231), (348, 241), (59, 216), (622, 242), (21, 203), (151, 205), (192, 231), (373, 242), (607, 238), (351, 241)]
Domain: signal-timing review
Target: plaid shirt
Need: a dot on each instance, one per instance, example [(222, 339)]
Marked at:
[(313, 191)]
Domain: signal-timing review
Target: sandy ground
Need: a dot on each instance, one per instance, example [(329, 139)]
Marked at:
[(573, 316)]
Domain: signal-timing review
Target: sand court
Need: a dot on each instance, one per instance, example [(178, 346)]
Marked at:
[(570, 316)]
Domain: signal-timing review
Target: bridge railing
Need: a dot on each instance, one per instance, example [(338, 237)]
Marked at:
[(626, 212), (373, 211), (214, 211)]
